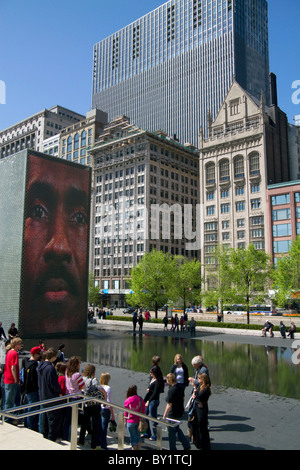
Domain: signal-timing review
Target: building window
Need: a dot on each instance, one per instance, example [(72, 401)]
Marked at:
[(211, 226), (234, 107), (69, 144), (225, 224), (282, 230), (210, 196), (254, 164), (239, 167), (210, 173), (255, 203), (83, 139), (257, 220), (257, 233), (224, 170), (282, 246), (255, 188), (240, 206), (224, 193), (281, 199), (281, 214), (240, 190), (210, 210), (76, 141), (225, 208), (240, 222), (241, 234)]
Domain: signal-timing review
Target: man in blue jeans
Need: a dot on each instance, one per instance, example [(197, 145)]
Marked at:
[(174, 410)]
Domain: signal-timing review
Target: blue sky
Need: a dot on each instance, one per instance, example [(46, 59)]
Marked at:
[(46, 51)]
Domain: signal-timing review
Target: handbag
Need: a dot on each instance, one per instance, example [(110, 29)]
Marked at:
[(143, 424), (93, 391)]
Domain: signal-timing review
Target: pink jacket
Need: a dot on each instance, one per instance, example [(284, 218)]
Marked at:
[(133, 403)]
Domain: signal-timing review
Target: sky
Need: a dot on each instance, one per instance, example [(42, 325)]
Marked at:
[(46, 51)]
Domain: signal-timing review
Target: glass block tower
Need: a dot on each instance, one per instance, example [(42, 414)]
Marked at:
[(173, 67)]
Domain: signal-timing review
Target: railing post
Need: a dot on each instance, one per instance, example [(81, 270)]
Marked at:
[(74, 426), (159, 437), (121, 431)]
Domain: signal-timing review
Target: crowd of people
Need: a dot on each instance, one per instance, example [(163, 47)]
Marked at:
[(176, 384), (47, 374)]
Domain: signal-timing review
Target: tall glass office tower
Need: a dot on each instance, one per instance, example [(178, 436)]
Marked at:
[(171, 68)]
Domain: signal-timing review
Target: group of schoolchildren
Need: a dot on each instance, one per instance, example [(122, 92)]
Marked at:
[(46, 374)]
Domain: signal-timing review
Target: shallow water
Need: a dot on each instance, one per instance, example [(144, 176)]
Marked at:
[(241, 366)]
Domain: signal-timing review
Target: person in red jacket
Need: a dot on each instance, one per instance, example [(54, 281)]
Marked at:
[(11, 375)]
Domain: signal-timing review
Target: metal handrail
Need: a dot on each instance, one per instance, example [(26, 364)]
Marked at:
[(73, 400)]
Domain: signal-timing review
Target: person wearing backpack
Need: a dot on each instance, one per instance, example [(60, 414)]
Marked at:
[(91, 418), (30, 386)]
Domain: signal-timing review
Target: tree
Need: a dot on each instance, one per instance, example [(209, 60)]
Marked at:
[(219, 281), (151, 280), (251, 273), (286, 280), (187, 281), (93, 291)]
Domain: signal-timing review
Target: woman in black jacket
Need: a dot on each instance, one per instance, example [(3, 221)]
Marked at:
[(180, 370), (200, 424), (152, 401)]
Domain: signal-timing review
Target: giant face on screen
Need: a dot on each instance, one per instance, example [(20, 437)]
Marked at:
[(55, 248)]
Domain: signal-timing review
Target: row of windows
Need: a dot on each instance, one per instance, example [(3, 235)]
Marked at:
[(213, 226), (238, 168), (283, 214), (240, 206), (283, 199), (239, 191), (213, 237), (259, 245)]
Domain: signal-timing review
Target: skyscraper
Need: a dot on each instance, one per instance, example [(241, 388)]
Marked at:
[(173, 67)]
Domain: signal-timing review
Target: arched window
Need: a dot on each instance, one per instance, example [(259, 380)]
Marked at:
[(69, 144), (239, 167), (210, 173), (254, 164), (224, 170), (83, 139), (76, 141)]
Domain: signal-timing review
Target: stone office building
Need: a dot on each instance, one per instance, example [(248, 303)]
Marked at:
[(145, 193), (30, 133), (246, 150)]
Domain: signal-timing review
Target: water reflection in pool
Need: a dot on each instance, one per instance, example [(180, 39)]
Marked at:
[(243, 366)]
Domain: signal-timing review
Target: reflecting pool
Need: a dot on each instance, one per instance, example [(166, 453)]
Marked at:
[(268, 370)]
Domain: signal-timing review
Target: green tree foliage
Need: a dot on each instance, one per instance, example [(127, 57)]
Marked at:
[(93, 291), (219, 290), (151, 280), (250, 275), (187, 286), (286, 279)]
